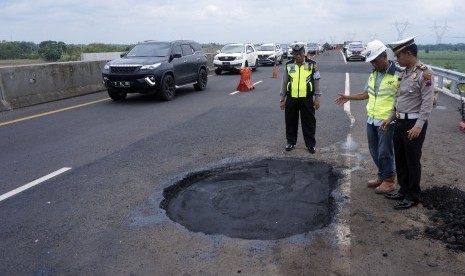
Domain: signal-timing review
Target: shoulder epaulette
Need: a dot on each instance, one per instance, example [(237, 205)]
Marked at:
[(422, 67)]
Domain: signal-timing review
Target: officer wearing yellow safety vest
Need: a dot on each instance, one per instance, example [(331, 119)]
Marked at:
[(380, 91), (300, 92)]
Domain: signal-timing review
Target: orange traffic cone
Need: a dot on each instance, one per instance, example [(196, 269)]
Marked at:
[(245, 83), (275, 71)]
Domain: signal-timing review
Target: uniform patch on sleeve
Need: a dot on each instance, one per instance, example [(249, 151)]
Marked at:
[(422, 67), (427, 78)]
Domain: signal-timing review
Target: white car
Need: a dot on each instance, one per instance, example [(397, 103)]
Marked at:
[(234, 56), (269, 54), (355, 51)]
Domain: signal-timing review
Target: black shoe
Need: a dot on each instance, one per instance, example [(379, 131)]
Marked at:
[(395, 196), (405, 204), (289, 147), (311, 149)]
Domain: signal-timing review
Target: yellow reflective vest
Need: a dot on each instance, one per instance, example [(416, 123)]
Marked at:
[(380, 106), (300, 83)]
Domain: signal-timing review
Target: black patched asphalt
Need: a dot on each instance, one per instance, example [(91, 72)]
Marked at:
[(265, 199)]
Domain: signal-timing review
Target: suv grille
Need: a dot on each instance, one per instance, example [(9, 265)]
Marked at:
[(124, 69), (226, 58)]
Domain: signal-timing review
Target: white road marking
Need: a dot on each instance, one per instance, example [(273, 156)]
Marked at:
[(347, 104), (33, 183), (343, 233), (343, 57), (235, 92)]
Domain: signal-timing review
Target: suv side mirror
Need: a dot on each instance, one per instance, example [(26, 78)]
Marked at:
[(177, 55), (218, 51), (123, 54)]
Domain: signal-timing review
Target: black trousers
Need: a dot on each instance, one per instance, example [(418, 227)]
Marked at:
[(408, 155), (304, 107)]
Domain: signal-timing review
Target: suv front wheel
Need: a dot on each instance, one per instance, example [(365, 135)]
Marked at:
[(255, 66), (116, 94), (202, 79), (167, 88)]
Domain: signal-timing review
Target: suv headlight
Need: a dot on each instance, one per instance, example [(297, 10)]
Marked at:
[(106, 67), (215, 58), (150, 66)]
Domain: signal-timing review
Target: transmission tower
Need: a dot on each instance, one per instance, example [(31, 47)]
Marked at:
[(350, 36), (440, 31), (332, 38), (401, 28)]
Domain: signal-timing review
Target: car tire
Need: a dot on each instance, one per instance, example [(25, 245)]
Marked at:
[(218, 71), (116, 94), (202, 79), (167, 88), (256, 66)]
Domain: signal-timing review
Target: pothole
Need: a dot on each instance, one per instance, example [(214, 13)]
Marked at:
[(266, 199)]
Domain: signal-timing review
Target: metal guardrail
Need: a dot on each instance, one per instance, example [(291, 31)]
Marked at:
[(454, 77)]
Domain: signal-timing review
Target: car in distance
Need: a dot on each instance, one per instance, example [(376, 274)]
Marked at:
[(234, 56), (355, 51), (312, 48), (285, 48), (269, 54), (156, 67)]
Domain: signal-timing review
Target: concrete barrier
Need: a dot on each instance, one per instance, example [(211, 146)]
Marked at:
[(26, 85), (100, 56)]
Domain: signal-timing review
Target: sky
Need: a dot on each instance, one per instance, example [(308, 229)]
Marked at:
[(221, 21)]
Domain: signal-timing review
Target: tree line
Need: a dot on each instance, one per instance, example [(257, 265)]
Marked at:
[(53, 50), (59, 51)]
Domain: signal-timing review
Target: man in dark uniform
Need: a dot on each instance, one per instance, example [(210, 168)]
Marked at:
[(412, 107), (300, 92)]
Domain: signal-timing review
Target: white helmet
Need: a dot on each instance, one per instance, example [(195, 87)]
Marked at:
[(374, 49)]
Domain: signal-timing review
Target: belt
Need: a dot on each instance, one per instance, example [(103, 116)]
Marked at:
[(405, 116)]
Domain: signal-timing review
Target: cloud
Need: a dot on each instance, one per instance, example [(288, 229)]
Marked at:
[(126, 22)]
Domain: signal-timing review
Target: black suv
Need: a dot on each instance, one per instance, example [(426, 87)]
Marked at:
[(156, 67)]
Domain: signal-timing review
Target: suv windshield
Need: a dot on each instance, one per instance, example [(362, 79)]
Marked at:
[(159, 49), (228, 49), (267, 48), (355, 45)]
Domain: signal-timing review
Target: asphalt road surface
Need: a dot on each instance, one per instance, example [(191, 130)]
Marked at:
[(100, 214)]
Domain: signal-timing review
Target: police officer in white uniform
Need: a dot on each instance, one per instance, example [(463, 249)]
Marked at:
[(412, 107)]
